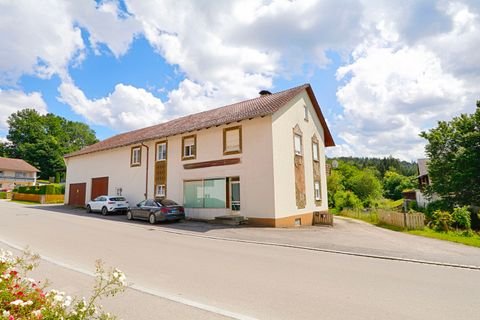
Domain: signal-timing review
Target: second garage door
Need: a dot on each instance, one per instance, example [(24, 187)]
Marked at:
[(99, 187)]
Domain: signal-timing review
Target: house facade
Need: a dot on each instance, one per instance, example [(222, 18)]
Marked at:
[(263, 159), (16, 172)]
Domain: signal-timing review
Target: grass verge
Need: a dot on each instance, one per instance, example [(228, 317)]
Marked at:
[(25, 202), (453, 236)]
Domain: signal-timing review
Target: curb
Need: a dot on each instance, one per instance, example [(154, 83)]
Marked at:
[(347, 253)]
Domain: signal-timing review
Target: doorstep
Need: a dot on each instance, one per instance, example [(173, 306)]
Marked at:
[(233, 220)]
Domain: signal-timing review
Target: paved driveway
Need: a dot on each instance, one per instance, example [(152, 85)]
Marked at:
[(347, 235)]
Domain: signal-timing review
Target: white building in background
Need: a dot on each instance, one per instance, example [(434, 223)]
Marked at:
[(263, 159), (16, 172)]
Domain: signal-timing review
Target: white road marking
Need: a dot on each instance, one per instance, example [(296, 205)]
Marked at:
[(154, 292)]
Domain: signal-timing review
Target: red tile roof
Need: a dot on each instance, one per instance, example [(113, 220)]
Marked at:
[(253, 108), (16, 165)]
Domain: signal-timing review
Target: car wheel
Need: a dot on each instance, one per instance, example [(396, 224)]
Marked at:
[(129, 215), (152, 219), (104, 211), (89, 209)]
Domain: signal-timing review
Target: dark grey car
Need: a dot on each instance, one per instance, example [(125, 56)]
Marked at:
[(155, 210)]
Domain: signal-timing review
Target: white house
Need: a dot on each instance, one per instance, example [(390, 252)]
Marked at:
[(16, 172), (263, 159)]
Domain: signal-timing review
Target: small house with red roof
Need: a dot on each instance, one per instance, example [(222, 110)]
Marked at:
[(16, 172), (263, 159)]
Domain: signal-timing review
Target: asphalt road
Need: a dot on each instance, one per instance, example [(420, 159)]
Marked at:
[(182, 276)]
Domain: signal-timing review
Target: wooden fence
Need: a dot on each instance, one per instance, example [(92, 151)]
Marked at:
[(325, 218), (402, 220)]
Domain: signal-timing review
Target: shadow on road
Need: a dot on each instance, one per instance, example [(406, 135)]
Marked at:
[(188, 225)]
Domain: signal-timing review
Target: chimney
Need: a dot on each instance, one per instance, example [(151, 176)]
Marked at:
[(264, 93)]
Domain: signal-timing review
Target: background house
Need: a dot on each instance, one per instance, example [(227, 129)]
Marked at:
[(262, 158), (16, 172)]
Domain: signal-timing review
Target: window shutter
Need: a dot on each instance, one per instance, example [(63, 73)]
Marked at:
[(232, 140)]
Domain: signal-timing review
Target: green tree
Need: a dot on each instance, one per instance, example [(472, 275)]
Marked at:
[(334, 185), (366, 185), (454, 151), (394, 184), (43, 140)]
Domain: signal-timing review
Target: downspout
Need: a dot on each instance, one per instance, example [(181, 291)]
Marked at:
[(146, 171)]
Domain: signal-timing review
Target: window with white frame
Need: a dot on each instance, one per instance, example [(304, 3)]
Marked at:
[(297, 142), (315, 151), (305, 111), (160, 192), (232, 140), (317, 190), (136, 156), (161, 151), (189, 148)]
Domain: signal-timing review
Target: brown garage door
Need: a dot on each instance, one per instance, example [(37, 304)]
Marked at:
[(76, 195), (99, 187)]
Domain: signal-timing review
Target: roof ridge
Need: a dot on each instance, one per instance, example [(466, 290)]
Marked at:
[(237, 111)]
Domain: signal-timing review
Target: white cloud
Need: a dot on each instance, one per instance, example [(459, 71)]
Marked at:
[(38, 38), (390, 96), (44, 37), (12, 101), (126, 108), (106, 25)]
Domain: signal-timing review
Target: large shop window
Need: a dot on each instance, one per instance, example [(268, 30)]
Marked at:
[(209, 193)]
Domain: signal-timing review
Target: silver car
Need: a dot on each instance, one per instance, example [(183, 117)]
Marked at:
[(155, 210), (108, 204)]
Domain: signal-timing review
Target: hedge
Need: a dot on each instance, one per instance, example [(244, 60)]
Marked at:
[(3, 195), (46, 189)]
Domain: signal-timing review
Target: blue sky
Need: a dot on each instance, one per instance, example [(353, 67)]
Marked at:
[(381, 73)]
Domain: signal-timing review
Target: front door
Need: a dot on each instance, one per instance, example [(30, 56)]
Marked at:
[(235, 196)]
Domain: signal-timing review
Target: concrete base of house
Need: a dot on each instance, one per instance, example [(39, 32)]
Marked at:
[(230, 220), (305, 219)]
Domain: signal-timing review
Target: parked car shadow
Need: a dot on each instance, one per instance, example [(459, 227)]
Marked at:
[(184, 225)]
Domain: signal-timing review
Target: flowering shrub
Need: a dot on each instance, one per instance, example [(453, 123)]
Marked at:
[(24, 298)]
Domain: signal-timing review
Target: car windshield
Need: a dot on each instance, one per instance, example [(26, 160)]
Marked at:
[(117, 199), (168, 202)]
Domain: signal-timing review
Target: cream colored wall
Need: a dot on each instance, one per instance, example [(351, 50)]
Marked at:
[(255, 167), (115, 164), (283, 122), (11, 181)]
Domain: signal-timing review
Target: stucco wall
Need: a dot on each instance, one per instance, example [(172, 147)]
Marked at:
[(283, 122), (114, 164), (255, 169)]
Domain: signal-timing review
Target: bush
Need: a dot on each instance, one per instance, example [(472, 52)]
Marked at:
[(461, 218), (3, 195), (437, 205), (441, 220), (347, 199), (25, 298), (45, 189)]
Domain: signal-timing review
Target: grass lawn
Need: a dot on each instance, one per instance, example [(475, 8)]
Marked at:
[(473, 240), (25, 202), (453, 236)]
